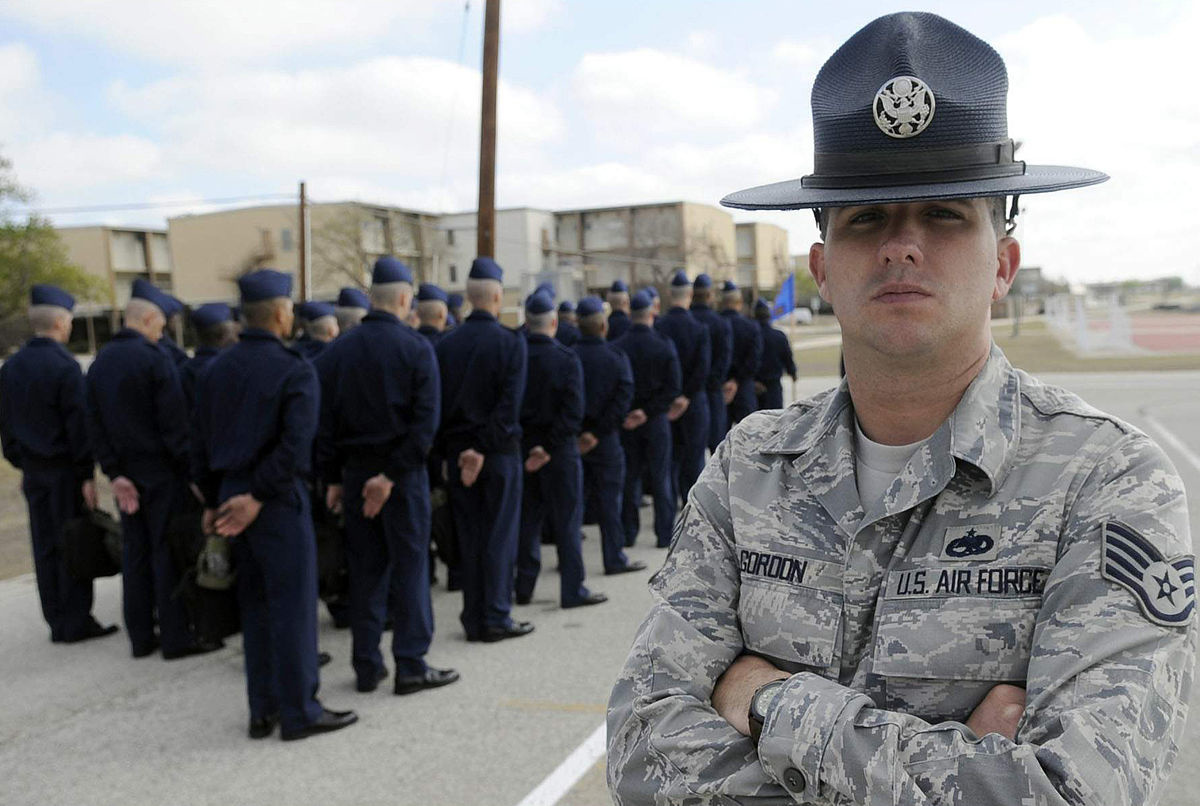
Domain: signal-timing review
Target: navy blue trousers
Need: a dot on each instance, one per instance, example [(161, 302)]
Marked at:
[(744, 403), (487, 516), (718, 420), (277, 590), (772, 398), (690, 435), (648, 451), (604, 482), (148, 575), (553, 495), (54, 497), (390, 550)]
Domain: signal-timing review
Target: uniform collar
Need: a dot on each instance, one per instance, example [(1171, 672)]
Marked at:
[(700, 306), (678, 310), (479, 315), (592, 340), (206, 351), (428, 330), (376, 315), (618, 312), (128, 333), (539, 338), (258, 334), (639, 328)]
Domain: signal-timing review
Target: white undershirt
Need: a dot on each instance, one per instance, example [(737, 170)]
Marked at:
[(877, 465)]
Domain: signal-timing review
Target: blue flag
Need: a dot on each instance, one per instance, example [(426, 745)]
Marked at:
[(785, 300)]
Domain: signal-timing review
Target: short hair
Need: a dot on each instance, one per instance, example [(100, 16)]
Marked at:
[(321, 327), (702, 296), (592, 324), (387, 295), (642, 315), (260, 314), (679, 293), (481, 291), (349, 316), (731, 296), (431, 311), (997, 213), (44, 318), (217, 334), (620, 296), (137, 309), (539, 321)]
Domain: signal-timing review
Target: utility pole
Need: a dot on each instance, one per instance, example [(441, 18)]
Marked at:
[(302, 242), (486, 216)]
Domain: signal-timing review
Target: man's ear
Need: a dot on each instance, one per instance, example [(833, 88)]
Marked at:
[(816, 267), (1008, 261)]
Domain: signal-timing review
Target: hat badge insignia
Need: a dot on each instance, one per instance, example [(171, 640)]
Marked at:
[(903, 107)]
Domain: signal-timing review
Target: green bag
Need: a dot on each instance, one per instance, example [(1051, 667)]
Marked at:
[(214, 566)]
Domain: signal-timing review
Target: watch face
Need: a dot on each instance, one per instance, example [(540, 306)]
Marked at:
[(765, 694)]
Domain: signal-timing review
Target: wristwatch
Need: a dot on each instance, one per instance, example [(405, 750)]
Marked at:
[(759, 703)]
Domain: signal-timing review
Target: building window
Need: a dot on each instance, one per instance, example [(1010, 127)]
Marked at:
[(450, 237), (285, 239), (453, 274)]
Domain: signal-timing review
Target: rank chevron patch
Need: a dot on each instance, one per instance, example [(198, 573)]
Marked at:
[(1165, 589)]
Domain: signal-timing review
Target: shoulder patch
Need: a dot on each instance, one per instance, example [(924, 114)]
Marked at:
[(1164, 589)]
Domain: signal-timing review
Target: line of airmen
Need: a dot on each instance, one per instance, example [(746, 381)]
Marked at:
[(363, 416)]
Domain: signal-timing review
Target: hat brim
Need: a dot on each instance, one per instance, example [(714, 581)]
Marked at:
[(792, 195)]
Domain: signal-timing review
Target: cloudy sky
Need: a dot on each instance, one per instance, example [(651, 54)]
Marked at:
[(602, 102)]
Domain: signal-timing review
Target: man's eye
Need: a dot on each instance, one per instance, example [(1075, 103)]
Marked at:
[(864, 217), (943, 212)]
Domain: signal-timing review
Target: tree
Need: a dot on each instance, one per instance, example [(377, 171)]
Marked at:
[(31, 252)]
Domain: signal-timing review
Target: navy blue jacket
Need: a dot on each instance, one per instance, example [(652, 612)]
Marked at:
[(255, 420), (607, 385), (137, 417), (567, 334), (309, 347), (618, 325), (721, 336), (655, 365), (192, 369), (483, 383), (380, 399), (747, 347), (177, 353), (431, 334), (693, 345), (552, 411), (777, 355), (43, 410)]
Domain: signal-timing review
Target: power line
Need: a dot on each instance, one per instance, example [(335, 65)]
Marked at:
[(104, 208), (462, 43)]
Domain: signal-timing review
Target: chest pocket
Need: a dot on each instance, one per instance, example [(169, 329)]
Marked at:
[(793, 626), (939, 657)]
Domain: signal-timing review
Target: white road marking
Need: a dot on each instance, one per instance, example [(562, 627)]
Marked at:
[(567, 774), (1172, 440)]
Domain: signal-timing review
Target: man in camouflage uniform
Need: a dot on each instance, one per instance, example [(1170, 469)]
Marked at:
[(943, 581)]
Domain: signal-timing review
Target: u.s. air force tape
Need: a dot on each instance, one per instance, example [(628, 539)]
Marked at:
[(1164, 589)]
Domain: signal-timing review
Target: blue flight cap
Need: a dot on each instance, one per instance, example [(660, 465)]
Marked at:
[(546, 288), (680, 279), (309, 311), (390, 270), (484, 268), (640, 301), (566, 306), (539, 302), (264, 284), (212, 313), (619, 287), (350, 297), (177, 306), (762, 303), (144, 289), (454, 300), (730, 285), (51, 295), (652, 291), (428, 292), (589, 306), (702, 281)]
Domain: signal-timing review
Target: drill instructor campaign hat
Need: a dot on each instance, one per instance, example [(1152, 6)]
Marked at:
[(911, 107)]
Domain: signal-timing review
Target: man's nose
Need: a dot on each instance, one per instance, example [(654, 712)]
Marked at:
[(900, 244)]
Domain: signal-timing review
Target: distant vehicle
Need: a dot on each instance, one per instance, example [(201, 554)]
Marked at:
[(802, 316)]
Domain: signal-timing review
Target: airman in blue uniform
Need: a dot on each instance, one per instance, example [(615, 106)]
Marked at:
[(137, 421), (43, 432), (618, 300), (607, 394), (483, 382), (174, 310), (432, 311), (318, 321), (249, 461), (646, 431), (551, 417), (747, 352), (689, 430), (777, 358), (454, 303), (721, 344), (215, 330), (352, 305), (380, 404), (568, 331)]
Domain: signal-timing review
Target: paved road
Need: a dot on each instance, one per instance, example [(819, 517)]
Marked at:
[(88, 725)]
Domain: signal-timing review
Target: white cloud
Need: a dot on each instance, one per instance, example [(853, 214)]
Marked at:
[(526, 16), (65, 163), (22, 100), (647, 93)]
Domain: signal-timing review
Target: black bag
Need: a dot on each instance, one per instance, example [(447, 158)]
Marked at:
[(333, 576), (185, 538), (445, 539), (91, 546), (214, 614)]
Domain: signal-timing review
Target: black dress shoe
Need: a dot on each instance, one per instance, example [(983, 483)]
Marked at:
[(262, 728), (323, 658), (523, 598), (147, 650), (199, 648), (433, 678), (327, 722), (634, 565), (93, 630), (366, 685), (515, 630), (590, 599)]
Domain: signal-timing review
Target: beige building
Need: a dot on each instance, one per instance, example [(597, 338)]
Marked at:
[(763, 261), (644, 244), (118, 256), (211, 250)]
